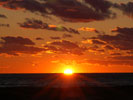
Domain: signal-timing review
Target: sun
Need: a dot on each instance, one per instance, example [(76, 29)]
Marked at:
[(68, 72)]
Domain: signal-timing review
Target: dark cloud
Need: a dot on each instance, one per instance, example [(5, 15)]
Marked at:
[(123, 31), (18, 45), (126, 8), (95, 49), (75, 11), (30, 5), (93, 41), (68, 10), (55, 38), (39, 38), (2, 16), (65, 47), (4, 25), (123, 40), (51, 48), (108, 47), (115, 54), (130, 52), (37, 24), (128, 58), (34, 24), (98, 42), (18, 40), (100, 5)]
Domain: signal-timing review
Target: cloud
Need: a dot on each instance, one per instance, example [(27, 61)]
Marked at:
[(67, 10), (62, 28), (115, 54), (37, 24), (34, 24), (123, 31), (77, 11), (18, 45), (100, 5), (109, 47), (18, 40), (95, 49), (39, 38), (98, 42), (88, 29), (116, 46), (126, 8), (2, 16), (30, 5), (4, 25), (129, 52), (123, 40), (128, 58), (65, 47), (94, 41)]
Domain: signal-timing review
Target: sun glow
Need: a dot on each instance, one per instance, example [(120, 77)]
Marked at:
[(68, 72)]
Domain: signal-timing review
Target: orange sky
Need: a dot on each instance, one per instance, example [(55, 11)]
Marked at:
[(48, 37)]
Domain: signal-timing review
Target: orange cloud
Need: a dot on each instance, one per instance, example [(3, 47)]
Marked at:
[(87, 41), (88, 29), (94, 41), (64, 47), (52, 26)]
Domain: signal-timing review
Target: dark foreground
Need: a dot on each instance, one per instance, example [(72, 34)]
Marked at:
[(84, 93)]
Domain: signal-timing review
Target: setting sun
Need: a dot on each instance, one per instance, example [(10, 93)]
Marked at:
[(68, 72)]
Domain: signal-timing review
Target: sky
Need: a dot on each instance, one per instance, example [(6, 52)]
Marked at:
[(49, 36)]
